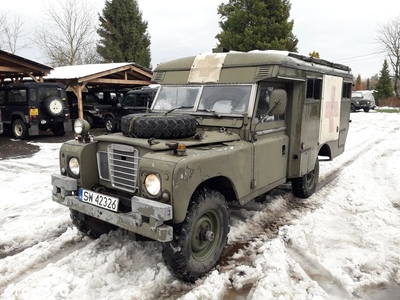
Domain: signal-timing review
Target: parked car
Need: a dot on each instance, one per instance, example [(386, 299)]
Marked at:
[(359, 102), (135, 101), (30, 107), (367, 95), (93, 106)]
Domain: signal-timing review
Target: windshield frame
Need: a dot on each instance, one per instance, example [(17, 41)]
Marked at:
[(199, 111)]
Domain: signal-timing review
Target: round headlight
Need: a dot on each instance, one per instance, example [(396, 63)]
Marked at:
[(152, 184), (81, 126), (73, 165)]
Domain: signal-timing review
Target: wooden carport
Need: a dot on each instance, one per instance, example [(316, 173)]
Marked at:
[(115, 75), (16, 68)]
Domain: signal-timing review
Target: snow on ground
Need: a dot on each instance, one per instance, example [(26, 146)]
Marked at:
[(341, 243)]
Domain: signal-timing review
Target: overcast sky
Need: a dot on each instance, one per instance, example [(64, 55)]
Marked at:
[(342, 31)]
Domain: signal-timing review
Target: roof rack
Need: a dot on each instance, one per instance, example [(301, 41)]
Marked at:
[(319, 61)]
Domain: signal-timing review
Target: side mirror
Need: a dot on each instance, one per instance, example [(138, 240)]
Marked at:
[(277, 102)]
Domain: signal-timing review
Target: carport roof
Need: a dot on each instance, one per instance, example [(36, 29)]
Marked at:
[(15, 67), (111, 74)]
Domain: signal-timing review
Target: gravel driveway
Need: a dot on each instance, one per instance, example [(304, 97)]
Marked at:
[(12, 148)]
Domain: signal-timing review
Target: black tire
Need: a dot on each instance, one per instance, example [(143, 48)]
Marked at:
[(200, 239), (366, 109), (20, 130), (110, 124), (90, 226), (352, 108), (54, 106), (89, 119), (159, 126), (304, 187), (58, 129)]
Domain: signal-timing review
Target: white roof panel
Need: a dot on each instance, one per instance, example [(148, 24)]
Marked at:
[(74, 72)]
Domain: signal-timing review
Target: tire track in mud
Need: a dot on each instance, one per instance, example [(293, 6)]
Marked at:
[(291, 209), (14, 251), (42, 254)]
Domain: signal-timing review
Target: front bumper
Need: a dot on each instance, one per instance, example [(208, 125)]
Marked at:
[(146, 218)]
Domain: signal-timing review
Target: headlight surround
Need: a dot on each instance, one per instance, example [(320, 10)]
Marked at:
[(74, 166), (81, 126), (152, 184)]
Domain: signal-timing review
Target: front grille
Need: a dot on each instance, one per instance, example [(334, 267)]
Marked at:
[(119, 165)]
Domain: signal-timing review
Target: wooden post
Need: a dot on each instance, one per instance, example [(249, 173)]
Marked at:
[(78, 93)]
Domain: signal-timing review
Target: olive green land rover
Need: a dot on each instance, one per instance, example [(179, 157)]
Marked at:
[(223, 127)]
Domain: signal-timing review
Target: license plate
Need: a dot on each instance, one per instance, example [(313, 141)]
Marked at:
[(34, 112), (100, 200)]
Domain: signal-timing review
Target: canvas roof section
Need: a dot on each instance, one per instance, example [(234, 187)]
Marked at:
[(16, 68)]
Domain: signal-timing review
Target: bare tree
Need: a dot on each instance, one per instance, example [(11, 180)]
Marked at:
[(67, 35), (389, 39), (11, 34)]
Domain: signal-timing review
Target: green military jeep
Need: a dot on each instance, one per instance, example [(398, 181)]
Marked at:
[(223, 127)]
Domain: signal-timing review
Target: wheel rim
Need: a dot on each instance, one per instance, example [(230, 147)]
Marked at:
[(206, 235), (18, 130), (109, 125), (56, 106), (310, 178)]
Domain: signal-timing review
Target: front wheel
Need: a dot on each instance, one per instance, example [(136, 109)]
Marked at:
[(20, 130), (90, 226), (305, 186), (200, 239), (111, 125)]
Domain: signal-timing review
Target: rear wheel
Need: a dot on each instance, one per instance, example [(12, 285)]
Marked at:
[(200, 239), (20, 130), (304, 187), (90, 226), (58, 130)]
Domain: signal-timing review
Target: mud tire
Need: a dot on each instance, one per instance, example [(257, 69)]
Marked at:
[(304, 187), (20, 130), (190, 254), (159, 126), (90, 226)]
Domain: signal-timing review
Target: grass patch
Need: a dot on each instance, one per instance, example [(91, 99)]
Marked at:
[(388, 109)]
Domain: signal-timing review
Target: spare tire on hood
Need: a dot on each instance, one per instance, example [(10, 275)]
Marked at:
[(158, 126)]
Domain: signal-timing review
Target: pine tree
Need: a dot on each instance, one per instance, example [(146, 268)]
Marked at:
[(358, 85), (123, 33), (256, 24), (384, 87)]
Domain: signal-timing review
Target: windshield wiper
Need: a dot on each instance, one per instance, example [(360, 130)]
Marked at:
[(210, 111), (179, 107)]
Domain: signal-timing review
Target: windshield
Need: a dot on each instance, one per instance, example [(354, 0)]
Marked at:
[(224, 99)]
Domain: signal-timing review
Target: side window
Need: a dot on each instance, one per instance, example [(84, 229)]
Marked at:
[(130, 100), (314, 89), (142, 100), (33, 93), (264, 105), (2, 97), (346, 91), (16, 96)]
